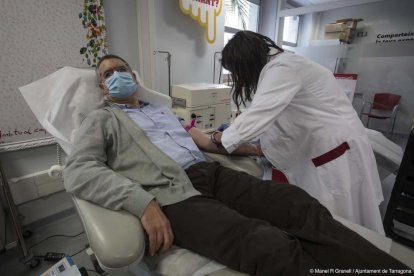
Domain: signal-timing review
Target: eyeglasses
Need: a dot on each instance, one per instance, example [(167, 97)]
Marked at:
[(108, 73)]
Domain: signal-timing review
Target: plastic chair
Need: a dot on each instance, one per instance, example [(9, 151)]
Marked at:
[(383, 107), (400, 210)]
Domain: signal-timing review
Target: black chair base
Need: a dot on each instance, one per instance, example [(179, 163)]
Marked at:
[(401, 205)]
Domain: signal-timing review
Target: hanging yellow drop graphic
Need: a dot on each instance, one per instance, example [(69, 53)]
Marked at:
[(205, 12)]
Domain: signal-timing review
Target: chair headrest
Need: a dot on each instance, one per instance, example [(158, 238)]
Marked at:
[(61, 100)]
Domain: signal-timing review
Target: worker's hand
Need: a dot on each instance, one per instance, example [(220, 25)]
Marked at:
[(158, 228)]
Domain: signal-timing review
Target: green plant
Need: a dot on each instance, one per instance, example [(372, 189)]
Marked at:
[(241, 7)]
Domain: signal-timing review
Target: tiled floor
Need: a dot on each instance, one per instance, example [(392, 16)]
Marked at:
[(69, 225)]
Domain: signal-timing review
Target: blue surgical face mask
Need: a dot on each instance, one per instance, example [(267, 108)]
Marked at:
[(121, 85)]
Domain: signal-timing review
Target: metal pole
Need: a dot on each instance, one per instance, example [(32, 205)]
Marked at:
[(214, 67), (13, 214), (169, 68)]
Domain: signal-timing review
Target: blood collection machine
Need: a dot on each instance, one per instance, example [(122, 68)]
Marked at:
[(208, 103)]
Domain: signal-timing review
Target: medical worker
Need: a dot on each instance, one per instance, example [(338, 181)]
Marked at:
[(307, 127)]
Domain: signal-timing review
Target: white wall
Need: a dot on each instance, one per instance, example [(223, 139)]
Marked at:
[(381, 67), (384, 67), (122, 29), (308, 26), (267, 23), (37, 38), (192, 56)]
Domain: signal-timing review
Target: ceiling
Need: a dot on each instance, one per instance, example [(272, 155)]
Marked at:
[(298, 7), (312, 2)]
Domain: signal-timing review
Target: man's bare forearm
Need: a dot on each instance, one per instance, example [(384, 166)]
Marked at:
[(204, 142)]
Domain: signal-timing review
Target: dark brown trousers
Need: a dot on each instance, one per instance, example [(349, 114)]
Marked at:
[(264, 228)]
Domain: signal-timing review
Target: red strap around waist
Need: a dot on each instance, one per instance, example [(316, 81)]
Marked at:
[(279, 177), (330, 155)]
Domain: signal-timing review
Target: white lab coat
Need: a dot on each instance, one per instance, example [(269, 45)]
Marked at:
[(299, 112)]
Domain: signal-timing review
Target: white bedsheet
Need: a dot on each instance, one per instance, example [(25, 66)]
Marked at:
[(61, 100), (385, 147)]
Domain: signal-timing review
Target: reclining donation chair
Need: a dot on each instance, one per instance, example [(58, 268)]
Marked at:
[(384, 107), (60, 101)]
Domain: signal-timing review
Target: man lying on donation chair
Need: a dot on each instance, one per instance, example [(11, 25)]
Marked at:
[(137, 156)]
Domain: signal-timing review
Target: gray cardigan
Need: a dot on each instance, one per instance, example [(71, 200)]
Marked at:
[(115, 165)]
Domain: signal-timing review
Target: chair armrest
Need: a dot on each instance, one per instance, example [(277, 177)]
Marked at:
[(238, 163), (383, 106), (116, 237), (395, 108)]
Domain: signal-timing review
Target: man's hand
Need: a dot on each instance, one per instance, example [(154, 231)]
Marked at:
[(158, 228)]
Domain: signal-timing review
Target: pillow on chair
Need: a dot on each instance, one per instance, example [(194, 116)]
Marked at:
[(61, 100)]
